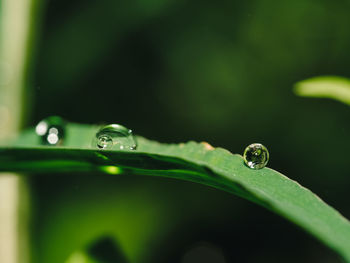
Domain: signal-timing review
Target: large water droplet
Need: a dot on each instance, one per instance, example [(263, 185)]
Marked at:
[(51, 130), (256, 156), (115, 136)]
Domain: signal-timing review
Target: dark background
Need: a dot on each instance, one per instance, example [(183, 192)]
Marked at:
[(173, 71)]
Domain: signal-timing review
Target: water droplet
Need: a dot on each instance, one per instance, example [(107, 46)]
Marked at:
[(115, 136), (256, 156), (51, 130)]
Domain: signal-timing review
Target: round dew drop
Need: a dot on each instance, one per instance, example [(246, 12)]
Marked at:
[(51, 130), (116, 137), (256, 156)]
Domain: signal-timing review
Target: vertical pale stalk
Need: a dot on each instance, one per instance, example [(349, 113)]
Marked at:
[(15, 22)]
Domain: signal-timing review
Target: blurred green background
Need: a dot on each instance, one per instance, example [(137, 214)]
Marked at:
[(173, 71)]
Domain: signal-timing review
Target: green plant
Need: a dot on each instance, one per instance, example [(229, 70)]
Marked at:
[(197, 162), (127, 58)]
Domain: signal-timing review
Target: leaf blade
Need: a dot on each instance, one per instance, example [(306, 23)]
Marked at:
[(332, 87), (192, 161)]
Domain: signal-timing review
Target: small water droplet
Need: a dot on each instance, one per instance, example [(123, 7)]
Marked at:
[(51, 130), (256, 156), (115, 136)]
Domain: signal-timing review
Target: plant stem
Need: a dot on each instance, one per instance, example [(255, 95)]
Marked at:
[(16, 38)]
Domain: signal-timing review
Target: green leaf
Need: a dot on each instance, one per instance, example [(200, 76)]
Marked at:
[(197, 162), (332, 87)]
